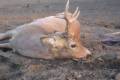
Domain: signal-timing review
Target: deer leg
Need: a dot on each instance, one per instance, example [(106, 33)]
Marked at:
[(112, 39), (5, 45), (4, 36), (115, 33)]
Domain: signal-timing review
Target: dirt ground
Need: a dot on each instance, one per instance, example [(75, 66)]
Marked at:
[(97, 18)]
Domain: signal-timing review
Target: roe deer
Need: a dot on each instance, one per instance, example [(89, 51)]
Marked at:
[(48, 38)]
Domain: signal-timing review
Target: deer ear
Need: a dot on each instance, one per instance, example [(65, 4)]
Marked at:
[(44, 39), (47, 39)]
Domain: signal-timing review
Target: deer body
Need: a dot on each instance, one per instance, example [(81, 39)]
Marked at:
[(38, 40), (44, 26), (25, 38)]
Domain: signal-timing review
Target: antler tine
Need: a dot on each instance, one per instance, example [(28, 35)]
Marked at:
[(75, 13), (67, 7), (66, 13), (75, 17)]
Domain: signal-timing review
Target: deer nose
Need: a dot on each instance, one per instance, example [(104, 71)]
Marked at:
[(88, 52), (87, 57)]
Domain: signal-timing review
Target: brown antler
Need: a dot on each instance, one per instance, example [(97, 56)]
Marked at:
[(75, 11), (72, 27), (66, 8), (72, 17)]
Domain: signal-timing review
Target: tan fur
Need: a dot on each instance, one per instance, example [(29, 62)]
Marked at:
[(39, 39)]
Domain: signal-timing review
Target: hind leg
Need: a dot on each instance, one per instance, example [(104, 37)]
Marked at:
[(5, 45), (4, 36)]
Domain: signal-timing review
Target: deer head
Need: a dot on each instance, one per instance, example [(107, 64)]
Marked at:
[(73, 33), (60, 46), (68, 44)]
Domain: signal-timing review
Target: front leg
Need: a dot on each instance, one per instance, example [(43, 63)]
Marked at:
[(4, 36), (111, 39), (5, 45)]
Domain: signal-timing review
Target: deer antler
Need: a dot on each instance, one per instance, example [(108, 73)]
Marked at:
[(67, 8), (72, 28), (72, 17), (72, 25)]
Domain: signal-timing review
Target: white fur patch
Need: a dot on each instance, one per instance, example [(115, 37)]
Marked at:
[(51, 40)]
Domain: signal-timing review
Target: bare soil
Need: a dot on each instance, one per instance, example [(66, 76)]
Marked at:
[(97, 18)]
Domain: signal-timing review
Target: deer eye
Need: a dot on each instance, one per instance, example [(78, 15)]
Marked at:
[(73, 45)]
